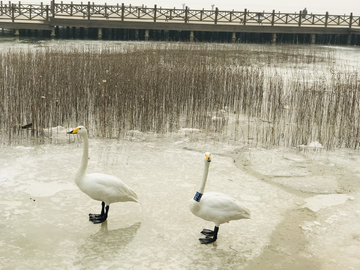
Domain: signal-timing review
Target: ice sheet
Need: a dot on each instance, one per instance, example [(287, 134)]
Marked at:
[(44, 217)]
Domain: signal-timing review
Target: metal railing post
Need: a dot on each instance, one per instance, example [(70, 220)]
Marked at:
[(300, 18)]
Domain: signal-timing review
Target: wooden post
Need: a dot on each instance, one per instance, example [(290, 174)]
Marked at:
[(216, 15), (122, 11), (88, 10), (273, 18), (146, 35), (186, 14), (300, 18), (233, 39), (13, 12), (154, 13), (273, 40), (191, 36), (326, 18), (313, 38), (245, 11), (53, 8), (351, 20)]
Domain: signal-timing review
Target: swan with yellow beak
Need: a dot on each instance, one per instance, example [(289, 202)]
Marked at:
[(100, 187), (216, 207)]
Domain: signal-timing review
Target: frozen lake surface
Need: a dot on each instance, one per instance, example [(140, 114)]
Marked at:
[(304, 201), (305, 206)]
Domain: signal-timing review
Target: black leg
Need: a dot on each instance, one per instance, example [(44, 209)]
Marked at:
[(97, 215), (209, 240), (94, 218)]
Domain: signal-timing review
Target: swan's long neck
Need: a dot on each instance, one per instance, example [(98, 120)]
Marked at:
[(84, 160), (200, 192)]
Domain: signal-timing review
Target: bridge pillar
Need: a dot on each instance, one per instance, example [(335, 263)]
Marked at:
[(52, 32), (146, 35), (349, 40), (233, 39), (191, 36), (17, 32), (313, 38), (99, 33), (273, 39)]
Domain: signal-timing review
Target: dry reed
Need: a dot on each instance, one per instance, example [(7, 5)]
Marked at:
[(164, 87)]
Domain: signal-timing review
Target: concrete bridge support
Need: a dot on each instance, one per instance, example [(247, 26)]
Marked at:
[(348, 42), (191, 36), (313, 38), (146, 35), (99, 33), (233, 39), (52, 34), (273, 39), (17, 32)]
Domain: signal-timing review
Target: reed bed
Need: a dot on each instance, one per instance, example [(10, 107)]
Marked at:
[(229, 91)]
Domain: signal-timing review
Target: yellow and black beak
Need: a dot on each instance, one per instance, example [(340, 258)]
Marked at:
[(73, 131), (208, 158)]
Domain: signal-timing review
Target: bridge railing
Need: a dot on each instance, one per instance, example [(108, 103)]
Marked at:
[(24, 12), (17, 12)]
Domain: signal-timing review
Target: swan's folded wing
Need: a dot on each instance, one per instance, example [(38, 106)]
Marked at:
[(223, 207), (108, 186)]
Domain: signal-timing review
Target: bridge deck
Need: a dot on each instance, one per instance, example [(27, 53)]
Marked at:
[(46, 17)]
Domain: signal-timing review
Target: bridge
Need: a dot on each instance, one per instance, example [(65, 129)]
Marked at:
[(18, 16)]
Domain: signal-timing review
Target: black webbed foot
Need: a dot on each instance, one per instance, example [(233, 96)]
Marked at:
[(211, 236), (96, 219), (94, 215), (207, 232), (100, 218), (207, 240)]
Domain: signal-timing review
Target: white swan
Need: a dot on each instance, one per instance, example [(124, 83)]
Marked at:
[(101, 187), (216, 207)]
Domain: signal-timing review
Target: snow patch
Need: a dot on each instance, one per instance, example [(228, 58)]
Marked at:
[(319, 202)]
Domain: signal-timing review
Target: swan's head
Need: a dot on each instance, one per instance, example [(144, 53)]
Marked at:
[(79, 130), (208, 157)]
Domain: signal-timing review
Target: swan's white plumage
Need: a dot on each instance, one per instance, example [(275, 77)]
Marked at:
[(106, 188), (98, 186), (216, 207)]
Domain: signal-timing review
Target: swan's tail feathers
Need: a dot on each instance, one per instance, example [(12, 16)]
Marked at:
[(246, 213), (135, 196)]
